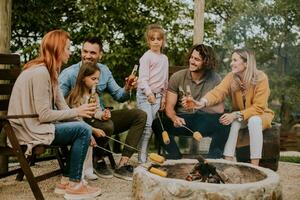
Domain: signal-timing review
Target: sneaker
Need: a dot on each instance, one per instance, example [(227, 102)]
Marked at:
[(91, 177), (62, 185), (81, 191), (102, 170), (125, 172), (61, 188)]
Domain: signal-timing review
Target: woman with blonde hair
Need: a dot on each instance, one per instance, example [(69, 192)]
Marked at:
[(36, 91), (249, 91)]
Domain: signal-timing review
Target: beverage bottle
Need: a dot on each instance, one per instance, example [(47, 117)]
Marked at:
[(92, 98), (181, 91), (188, 94), (132, 76)]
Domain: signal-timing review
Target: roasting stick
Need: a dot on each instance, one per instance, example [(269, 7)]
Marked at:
[(165, 135), (154, 157), (122, 143), (196, 135)]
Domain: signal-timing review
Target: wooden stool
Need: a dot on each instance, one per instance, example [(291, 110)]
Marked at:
[(270, 151)]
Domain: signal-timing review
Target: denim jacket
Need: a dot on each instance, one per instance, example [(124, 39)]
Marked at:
[(67, 81)]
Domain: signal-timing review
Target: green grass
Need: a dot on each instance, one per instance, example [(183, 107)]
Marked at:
[(291, 159)]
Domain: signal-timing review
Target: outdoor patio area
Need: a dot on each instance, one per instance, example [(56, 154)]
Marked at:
[(119, 189)]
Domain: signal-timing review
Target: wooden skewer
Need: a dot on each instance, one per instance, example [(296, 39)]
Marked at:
[(122, 143)]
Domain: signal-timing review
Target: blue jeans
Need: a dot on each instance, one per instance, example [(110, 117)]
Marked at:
[(207, 124), (151, 110), (78, 135)]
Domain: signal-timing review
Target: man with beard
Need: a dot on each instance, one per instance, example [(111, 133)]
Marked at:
[(133, 120), (196, 80)]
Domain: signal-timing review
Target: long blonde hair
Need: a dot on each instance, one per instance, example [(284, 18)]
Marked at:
[(76, 94), (251, 76), (51, 49), (251, 72)]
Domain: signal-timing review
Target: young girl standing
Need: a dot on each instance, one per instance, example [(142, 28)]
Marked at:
[(84, 92), (152, 82)]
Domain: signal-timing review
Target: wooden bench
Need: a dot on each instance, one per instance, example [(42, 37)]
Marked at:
[(8, 75)]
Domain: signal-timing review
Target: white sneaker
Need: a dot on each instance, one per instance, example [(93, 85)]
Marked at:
[(91, 177)]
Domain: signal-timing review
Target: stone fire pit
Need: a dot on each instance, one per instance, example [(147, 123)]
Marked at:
[(247, 182)]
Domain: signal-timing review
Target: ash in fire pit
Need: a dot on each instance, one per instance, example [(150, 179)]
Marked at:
[(204, 171), (244, 181)]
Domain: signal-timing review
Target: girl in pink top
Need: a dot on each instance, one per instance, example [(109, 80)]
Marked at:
[(152, 82)]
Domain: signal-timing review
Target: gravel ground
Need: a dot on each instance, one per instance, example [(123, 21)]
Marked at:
[(114, 188)]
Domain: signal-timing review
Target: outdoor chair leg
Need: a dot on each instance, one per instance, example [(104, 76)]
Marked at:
[(24, 163)]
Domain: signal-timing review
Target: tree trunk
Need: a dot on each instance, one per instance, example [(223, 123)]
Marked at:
[(198, 21), (5, 25), (198, 39), (5, 35)]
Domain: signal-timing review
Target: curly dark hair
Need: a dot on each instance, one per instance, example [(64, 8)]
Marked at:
[(208, 55)]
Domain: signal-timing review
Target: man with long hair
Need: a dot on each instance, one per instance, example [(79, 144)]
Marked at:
[(195, 81)]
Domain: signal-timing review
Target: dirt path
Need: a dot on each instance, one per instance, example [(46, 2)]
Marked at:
[(119, 189)]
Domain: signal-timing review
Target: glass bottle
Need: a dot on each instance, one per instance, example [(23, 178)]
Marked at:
[(132, 76), (188, 94), (92, 98), (130, 79)]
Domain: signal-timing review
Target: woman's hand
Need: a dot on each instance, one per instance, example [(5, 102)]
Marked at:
[(227, 118), (87, 110), (98, 132), (106, 115), (151, 98), (93, 142)]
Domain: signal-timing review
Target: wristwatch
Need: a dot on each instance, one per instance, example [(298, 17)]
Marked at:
[(239, 116)]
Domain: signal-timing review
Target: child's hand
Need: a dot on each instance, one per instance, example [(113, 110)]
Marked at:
[(151, 98), (87, 110), (106, 115), (93, 142), (98, 132)]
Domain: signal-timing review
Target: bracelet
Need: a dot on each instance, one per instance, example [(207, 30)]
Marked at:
[(239, 116)]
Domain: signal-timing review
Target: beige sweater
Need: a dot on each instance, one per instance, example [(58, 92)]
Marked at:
[(33, 94)]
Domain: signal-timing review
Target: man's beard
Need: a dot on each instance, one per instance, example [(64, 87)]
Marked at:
[(89, 61), (196, 69)]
